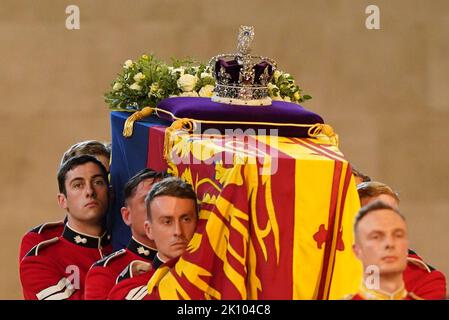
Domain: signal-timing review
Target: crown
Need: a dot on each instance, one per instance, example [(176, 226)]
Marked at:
[(242, 78)]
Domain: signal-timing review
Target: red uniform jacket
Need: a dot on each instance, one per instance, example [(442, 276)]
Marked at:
[(134, 287), (369, 294), (102, 276), (56, 269), (409, 296), (38, 234), (423, 280)]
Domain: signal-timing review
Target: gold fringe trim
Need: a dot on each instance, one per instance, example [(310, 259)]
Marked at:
[(185, 125), (136, 116), (322, 128)]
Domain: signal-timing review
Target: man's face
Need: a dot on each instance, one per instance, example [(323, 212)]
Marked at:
[(135, 211), (385, 198), (381, 240), (87, 193), (172, 226)]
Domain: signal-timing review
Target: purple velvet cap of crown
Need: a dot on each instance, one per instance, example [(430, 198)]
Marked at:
[(206, 109), (232, 68)]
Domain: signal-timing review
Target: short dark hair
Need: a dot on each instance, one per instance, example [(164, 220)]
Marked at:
[(375, 188), (373, 206), (73, 163), (171, 186), (130, 187), (91, 147)]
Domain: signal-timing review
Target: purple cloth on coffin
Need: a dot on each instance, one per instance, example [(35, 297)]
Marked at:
[(206, 109)]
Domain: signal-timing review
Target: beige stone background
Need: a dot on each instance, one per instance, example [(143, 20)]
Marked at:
[(386, 92)]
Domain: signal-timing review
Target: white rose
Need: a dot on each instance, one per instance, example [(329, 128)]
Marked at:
[(128, 64), (117, 86), (139, 77), (135, 86), (189, 94), (206, 91), (187, 82)]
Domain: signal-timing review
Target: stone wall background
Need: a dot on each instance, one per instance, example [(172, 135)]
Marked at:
[(384, 91)]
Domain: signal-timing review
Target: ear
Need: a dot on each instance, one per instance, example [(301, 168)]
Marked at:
[(62, 201), (149, 229), (126, 216), (357, 250)]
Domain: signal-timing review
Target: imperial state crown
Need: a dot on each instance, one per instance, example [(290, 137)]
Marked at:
[(242, 78)]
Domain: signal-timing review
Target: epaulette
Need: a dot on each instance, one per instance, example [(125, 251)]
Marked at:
[(419, 263), (105, 260), (136, 267), (41, 245), (47, 225), (414, 296)]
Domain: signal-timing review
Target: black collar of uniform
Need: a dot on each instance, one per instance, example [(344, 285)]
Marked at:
[(157, 262), (85, 240), (141, 250)]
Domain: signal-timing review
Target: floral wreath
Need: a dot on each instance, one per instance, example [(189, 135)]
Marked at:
[(148, 80)]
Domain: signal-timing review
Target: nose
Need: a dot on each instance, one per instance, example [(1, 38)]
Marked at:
[(177, 228), (90, 190), (389, 242)]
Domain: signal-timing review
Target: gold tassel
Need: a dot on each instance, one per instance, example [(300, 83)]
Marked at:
[(322, 128), (136, 116), (186, 125)]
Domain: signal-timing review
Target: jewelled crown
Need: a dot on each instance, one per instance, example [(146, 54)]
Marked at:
[(242, 78)]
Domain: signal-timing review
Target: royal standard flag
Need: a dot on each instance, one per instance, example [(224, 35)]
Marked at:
[(275, 221)]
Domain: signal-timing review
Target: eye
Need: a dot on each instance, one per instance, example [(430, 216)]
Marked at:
[(99, 182), (399, 234), (77, 185), (187, 219), (375, 236)]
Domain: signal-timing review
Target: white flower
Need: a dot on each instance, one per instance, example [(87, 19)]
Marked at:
[(189, 94), (128, 64), (276, 75), (206, 91), (276, 98), (135, 86), (287, 99), (187, 82), (154, 87), (205, 74), (139, 77), (117, 86)]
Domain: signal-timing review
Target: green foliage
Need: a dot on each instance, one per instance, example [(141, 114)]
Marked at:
[(148, 80)]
